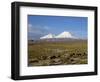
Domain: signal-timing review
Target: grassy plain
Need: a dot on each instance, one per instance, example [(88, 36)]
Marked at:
[(57, 53)]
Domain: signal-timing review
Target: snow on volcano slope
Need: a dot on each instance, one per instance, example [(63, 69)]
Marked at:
[(65, 35), (61, 35), (47, 36)]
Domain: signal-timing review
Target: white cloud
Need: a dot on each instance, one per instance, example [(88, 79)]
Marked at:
[(29, 25), (36, 31), (46, 27)]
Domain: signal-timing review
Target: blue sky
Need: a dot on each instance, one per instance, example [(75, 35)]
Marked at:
[(41, 25)]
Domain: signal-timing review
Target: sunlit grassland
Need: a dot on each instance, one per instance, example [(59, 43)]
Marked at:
[(71, 52)]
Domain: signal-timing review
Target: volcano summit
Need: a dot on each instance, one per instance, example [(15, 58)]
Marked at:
[(64, 35)]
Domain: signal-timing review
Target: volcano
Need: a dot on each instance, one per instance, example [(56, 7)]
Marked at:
[(62, 35), (49, 36), (65, 35)]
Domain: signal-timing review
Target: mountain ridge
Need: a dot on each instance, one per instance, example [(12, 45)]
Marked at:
[(64, 34)]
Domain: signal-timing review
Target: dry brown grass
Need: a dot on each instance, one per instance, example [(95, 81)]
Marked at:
[(57, 53)]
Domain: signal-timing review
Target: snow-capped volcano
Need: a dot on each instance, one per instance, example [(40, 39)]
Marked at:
[(47, 36), (61, 35), (65, 35)]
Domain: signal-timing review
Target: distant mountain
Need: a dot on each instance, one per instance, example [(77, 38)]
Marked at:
[(63, 35), (48, 36)]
